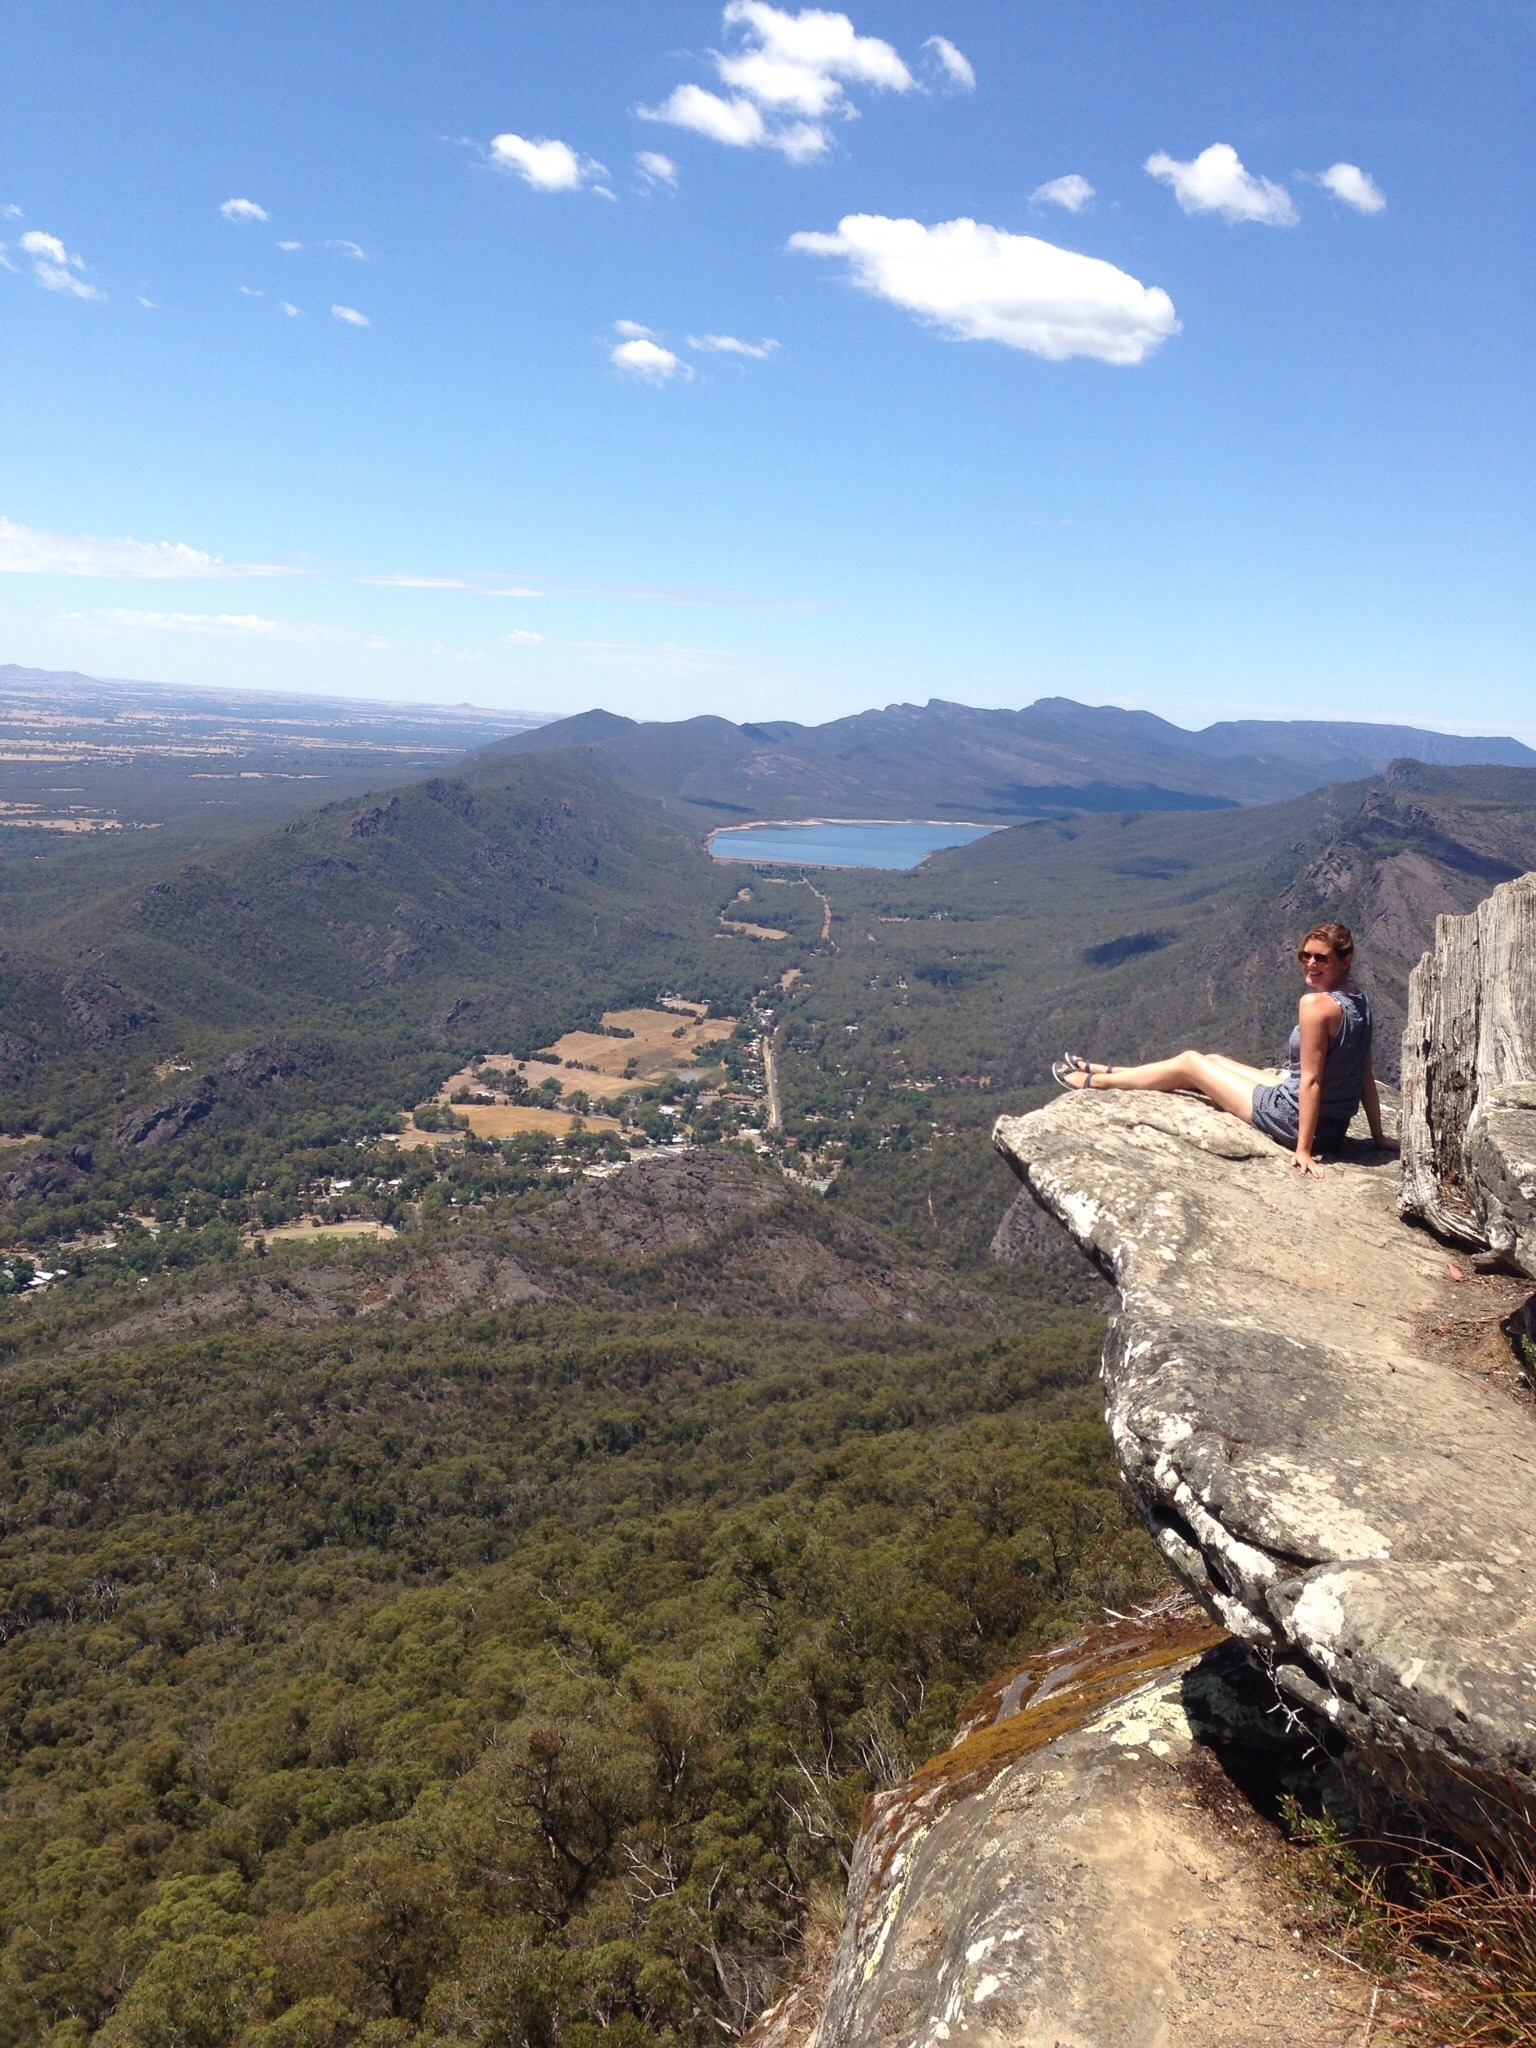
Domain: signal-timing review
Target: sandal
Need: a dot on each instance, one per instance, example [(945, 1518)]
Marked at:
[(1076, 1064), (1060, 1075)]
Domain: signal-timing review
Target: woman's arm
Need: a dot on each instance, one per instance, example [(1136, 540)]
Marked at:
[(1372, 1102), (1312, 1016)]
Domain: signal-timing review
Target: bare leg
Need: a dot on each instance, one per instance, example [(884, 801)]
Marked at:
[(1252, 1075), (1209, 1075)]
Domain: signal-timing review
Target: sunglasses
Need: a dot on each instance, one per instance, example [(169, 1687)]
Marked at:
[(1316, 959)]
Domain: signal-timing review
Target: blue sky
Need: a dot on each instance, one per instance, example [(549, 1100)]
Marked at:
[(1247, 433)]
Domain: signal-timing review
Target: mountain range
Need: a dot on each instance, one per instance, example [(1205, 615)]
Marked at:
[(944, 760)]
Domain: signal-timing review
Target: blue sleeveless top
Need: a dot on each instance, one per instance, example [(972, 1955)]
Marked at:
[(1276, 1104)]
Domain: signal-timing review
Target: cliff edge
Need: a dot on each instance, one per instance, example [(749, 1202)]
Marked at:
[(1080, 1869), (1350, 1503)]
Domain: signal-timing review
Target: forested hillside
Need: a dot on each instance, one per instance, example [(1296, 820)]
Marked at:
[(517, 899), (529, 875), (1130, 936), (513, 1679), (211, 1049)]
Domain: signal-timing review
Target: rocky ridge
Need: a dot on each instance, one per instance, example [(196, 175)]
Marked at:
[(1081, 1868), (711, 1231)]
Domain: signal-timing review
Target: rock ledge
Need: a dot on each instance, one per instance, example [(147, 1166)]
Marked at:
[(1348, 1504)]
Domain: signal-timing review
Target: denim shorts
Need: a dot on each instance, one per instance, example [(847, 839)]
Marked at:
[(1275, 1116)]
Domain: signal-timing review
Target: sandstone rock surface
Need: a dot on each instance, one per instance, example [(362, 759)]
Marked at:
[(1079, 1872), (1469, 1078), (1348, 1503)]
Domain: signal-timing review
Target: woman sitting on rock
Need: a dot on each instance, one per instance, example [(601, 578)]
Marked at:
[(1327, 1076)]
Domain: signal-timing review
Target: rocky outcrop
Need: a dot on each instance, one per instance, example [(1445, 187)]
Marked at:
[(712, 1230), (1346, 1491), (146, 1130), (1469, 1078), (1079, 1870), (46, 1173), (1349, 1504), (242, 1074)]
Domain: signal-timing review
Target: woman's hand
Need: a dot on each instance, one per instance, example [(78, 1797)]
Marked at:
[(1304, 1163)]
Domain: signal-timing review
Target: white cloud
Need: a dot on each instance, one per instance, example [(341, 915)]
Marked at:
[(668, 657), (348, 249), (1216, 182), (736, 123), (236, 626), (54, 278), (955, 65), (787, 76), (148, 304), (648, 360), (655, 168), (250, 291), (55, 269), (494, 584), (631, 330), (728, 345), (292, 310), (479, 586), (5, 261), (243, 209), (523, 639), (11, 211), (350, 316), (546, 165), (29, 551), (1355, 187), (1073, 192), (800, 62), (290, 246), (980, 283)]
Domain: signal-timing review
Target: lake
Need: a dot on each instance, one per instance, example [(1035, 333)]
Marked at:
[(845, 842)]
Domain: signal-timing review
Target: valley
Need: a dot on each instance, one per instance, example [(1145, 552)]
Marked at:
[(542, 1399)]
